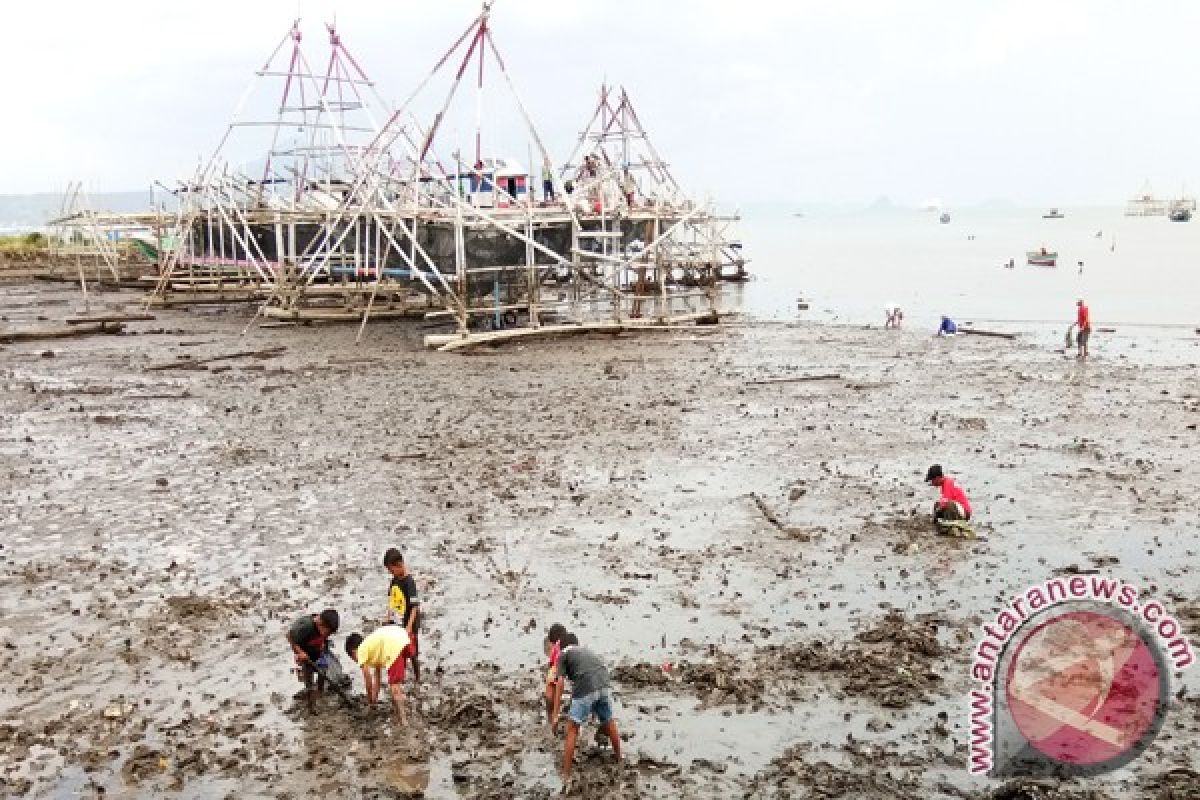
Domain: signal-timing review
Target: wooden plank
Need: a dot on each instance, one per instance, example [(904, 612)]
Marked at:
[(114, 318), (338, 315), (202, 299), (832, 376), (60, 333), (457, 341), (995, 334), (448, 342), (192, 363)]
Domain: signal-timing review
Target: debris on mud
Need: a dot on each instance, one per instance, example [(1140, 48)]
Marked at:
[(144, 762), (468, 712), (794, 774), (1034, 789), (1181, 783), (892, 663)]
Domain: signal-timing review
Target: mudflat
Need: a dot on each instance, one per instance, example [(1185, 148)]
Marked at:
[(732, 516)]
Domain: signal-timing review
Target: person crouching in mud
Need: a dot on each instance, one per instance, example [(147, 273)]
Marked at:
[(309, 639), (382, 649), (952, 505), (590, 694)]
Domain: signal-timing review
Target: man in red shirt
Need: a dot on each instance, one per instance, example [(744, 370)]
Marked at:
[(953, 504), (1083, 321)]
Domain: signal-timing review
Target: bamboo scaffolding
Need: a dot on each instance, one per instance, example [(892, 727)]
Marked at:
[(354, 220)]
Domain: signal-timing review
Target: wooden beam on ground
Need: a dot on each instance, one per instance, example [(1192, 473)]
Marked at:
[(190, 363), (833, 376), (114, 318), (7, 337), (448, 342), (339, 314), (202, 299), (995, 334)]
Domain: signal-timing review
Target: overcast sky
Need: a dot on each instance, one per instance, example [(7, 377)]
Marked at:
[(1040, 102)]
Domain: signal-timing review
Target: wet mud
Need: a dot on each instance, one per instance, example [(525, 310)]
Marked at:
[(753, 557)]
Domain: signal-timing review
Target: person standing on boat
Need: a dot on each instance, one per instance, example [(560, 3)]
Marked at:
[(947, 328), (1083, 321), (547, 182)]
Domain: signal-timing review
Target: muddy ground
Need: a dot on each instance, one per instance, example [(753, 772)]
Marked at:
[(751, 557)]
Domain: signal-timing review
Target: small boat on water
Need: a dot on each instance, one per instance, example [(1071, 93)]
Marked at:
[(1185, 201), (944, 218), (1042, 258), (1054, 213)]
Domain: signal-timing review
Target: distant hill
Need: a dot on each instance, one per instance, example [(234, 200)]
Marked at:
[(23, 212)]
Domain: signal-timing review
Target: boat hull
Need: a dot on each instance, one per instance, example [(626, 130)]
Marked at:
[(1039, 259)]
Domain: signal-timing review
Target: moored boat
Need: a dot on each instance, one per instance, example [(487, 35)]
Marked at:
[(1145, 204), (1042, 258), (1181, 208), (1054, 213)]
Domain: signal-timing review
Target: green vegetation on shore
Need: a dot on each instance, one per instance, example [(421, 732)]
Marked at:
[(24, 247)]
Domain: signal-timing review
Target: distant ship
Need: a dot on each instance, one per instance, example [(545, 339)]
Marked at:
[(1145, 204), (1054, 213), (1182, 207), (1042, 258), (944, 218)]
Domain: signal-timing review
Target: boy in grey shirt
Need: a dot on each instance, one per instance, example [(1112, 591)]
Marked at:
[(590, 694)]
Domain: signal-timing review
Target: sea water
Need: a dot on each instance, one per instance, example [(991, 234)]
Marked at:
[(1140, 275)]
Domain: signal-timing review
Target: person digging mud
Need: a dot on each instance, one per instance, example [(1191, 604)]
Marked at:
[(309, 639), (952, 505), (947, 328), (404, 605), (590, 694), (382, 649)]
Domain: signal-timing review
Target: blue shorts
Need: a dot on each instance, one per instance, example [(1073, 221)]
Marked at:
[(598, 702)]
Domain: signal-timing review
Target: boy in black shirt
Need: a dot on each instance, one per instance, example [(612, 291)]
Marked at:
[(404, 606), (308, 636)]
